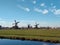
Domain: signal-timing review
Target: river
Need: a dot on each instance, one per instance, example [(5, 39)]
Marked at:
[(24, 42)]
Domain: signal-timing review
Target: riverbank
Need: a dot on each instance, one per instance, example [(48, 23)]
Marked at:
[(52, 36)]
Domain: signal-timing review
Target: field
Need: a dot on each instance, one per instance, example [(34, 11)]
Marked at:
[(51, 34)]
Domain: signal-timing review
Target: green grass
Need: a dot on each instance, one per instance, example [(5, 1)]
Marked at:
[(52, 34)]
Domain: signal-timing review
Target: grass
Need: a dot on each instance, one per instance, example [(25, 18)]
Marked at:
[(52, 34)]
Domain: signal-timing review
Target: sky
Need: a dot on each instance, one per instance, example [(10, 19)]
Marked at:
[(44, 12)]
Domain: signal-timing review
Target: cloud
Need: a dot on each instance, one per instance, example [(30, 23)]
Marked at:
[(5, 23), (37, 10), (0, 19), (51, 4), (24, 23), (42, 4), (24, 8), (54, 10), (34, 2), (27, 9), (54, 6), (45, 11), (57, 12)]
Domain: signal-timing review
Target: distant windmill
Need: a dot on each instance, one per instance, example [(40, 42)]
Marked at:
[(36, 25), (15, 24), (0, 26), (29, 26)]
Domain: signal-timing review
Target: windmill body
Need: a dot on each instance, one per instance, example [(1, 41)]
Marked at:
[(15, 24)]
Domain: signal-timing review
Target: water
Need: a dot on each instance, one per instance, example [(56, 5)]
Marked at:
[(25, 42)]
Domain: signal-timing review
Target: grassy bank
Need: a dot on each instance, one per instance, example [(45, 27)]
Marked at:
[(52, 34)]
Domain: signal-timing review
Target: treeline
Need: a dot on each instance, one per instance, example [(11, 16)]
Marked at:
[(28, 26)]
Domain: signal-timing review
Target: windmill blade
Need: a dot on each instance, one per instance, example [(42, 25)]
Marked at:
[(15, 21), (28, 24), (37, 24)]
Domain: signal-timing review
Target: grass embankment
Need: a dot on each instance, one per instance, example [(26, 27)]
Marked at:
[(52, 34)]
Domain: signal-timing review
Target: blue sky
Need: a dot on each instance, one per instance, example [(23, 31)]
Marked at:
[(44, 12)]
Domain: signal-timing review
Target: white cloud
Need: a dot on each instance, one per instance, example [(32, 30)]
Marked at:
[(42, 4), (0, 19), (24, 23), (57, 12), (34, 2), (24, 8), (27, 9), (37, 10), (5, 23), (54, 6), (19, 6), (51, 4), (45, 11)]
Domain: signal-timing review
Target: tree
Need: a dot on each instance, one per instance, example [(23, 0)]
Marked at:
[(15, 24)]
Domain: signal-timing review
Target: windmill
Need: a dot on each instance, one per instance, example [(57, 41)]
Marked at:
[(29, 26), (0, 26), (15, 24), (36, 25)]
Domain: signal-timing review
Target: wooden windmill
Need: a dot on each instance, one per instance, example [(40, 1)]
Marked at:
[(16, 24), (36, 25)]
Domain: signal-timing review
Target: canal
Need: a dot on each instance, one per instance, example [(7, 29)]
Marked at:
[(24, 42)]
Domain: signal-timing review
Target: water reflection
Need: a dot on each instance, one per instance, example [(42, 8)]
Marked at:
[(25, 42)]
